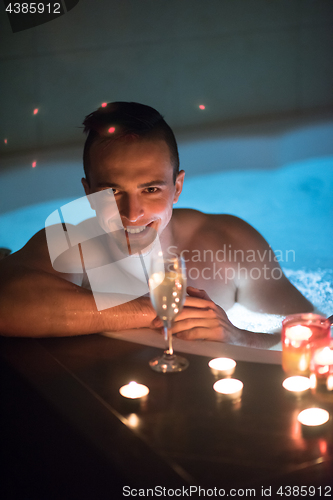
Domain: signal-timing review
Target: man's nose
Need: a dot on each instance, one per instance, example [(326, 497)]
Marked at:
[(131, 208)]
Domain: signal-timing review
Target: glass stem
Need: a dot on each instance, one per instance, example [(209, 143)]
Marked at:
[(168, 338)]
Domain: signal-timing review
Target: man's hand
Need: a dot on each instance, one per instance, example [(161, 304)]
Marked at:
[(202, 319)]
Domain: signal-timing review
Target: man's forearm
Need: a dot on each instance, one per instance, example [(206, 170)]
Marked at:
[(38, 304), (258, 340)]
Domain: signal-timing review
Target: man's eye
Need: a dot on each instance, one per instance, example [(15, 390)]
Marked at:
[(152, 190), (111, 191)]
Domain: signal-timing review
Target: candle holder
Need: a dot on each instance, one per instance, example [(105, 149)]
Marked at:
[(321, 368), (301, 335)]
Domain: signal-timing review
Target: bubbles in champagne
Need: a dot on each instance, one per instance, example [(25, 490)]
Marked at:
[(168, 294)]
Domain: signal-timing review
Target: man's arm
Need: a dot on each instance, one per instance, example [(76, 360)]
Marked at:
[(260, 286), (202, 319), (36, 301)]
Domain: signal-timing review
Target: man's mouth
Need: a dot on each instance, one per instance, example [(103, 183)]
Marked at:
[(137, 229)]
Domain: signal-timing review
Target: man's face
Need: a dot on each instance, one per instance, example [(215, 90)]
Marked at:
[(140, 174)]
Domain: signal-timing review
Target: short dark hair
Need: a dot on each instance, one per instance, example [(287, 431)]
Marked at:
[(128, 119)]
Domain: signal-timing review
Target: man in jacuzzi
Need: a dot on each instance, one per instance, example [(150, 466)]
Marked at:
[(131, 152)]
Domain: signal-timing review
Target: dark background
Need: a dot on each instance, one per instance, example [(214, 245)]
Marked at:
[(245, 60)]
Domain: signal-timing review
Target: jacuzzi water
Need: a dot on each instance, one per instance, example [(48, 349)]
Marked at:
[(291, 206)]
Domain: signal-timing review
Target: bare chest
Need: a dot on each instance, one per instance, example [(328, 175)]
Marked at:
[(209, 270)]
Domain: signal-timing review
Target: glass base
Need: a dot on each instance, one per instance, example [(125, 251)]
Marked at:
[(169, 363)]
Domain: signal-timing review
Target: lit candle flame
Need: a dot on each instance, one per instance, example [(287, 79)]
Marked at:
[(313, 417), (228, 386), (296, 384), (224, 366), (324, 356), (133, 390), (329, 383), (298, 333)]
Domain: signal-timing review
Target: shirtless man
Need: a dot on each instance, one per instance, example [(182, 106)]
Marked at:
[(132, 151)]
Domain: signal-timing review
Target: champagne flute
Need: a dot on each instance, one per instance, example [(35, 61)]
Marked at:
[(167, 286)]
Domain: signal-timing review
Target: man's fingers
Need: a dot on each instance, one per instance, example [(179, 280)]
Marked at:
[(192, 306), (195, 308), (199, 302), (201, 333), (195, 292), (193, 334), (190, 312), (189, 323), (193, 312)]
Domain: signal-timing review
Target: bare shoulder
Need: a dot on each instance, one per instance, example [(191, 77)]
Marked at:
[(35, 255), (187, 223), (228, 222), (188, 215), (195, 227), (29, 261), (236, 231)]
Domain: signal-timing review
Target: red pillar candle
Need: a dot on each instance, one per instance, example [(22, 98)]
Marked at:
[(301, 335)]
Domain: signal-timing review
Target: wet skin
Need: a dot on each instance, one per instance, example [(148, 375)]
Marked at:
[(140, 174)]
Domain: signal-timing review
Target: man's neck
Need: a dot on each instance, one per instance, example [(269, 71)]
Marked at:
[(168, 239)]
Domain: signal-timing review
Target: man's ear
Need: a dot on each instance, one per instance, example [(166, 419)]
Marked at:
[(179, 185), (85, 185), (87, 190)]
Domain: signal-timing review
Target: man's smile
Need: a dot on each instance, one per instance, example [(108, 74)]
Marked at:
[(135, 229), (138, 229)]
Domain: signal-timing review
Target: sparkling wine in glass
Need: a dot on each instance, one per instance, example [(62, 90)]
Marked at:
[(167, 286)]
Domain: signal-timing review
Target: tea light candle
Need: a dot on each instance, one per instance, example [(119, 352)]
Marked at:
[(296, 384), (229, 387), (313, 417), (134, 390), (222, 366)]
